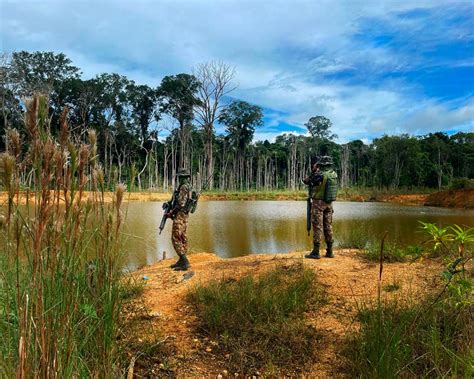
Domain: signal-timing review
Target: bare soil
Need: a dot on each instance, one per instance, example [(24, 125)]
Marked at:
[(410, 199), (348, 280), (463, 198)]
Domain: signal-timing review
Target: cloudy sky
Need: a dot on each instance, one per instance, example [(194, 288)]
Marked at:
[(372, 67)]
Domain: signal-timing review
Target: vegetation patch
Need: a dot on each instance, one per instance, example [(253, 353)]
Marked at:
[(61, 288), (392, 252), (260, 322), (428, 338), (399, 339)]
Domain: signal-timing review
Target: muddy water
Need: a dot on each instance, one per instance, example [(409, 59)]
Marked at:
[(235, 228)]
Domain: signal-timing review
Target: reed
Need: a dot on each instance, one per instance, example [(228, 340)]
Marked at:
[(60, 286)]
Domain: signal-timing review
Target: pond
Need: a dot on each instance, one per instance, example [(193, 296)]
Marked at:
[(236, 228)]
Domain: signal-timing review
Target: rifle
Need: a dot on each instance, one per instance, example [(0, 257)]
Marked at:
[(191, 204), (309, 202), (167, 207)]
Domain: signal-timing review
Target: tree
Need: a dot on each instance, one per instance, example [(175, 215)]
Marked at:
[(215, 82), (241, 119), (143, 102), (178, 99), (319, 127), (41, 71)]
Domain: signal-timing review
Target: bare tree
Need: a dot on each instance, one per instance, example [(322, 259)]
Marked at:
[(215, 82), (345, 166)]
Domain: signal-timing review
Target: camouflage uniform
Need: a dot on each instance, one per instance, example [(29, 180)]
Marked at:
[(180, 215), (180, 220), (321, 218), (321, 211)]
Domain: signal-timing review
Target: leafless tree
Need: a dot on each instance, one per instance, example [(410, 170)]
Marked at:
[(215, 82)]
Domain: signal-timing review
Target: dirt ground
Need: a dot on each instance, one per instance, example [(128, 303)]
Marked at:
[(348, 280), (409, 199), (452, 199)]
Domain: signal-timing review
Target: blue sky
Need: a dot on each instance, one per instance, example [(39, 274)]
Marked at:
[(372, 67)]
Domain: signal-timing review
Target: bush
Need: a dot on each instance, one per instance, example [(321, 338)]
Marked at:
[(399, 339), (260, 322), (461, 183)]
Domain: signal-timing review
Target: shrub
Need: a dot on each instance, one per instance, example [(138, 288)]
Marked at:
[(461, 183), (260, 322)]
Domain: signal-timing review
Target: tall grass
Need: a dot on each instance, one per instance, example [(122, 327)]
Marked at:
[(260, 322), (431, 337), (399, 338), (60, 289)]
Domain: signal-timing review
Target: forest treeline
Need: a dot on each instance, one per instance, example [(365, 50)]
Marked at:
[(148, 133)]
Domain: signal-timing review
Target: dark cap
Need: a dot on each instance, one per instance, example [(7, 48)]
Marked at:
[(183, 173), (325, 160)]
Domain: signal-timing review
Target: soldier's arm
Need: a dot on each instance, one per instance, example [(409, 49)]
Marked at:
[(314, 179)]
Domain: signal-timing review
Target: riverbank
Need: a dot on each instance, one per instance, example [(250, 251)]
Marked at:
[(449, 199), (463, 198), (348, 280)]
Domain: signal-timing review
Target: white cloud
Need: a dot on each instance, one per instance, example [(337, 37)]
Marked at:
[(281, 51)]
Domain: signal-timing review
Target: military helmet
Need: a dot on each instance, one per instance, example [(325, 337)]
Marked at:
[(325, 160), (183, 173)]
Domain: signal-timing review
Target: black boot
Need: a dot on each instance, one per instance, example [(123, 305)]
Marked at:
[(329, 253), (184, 265), (315, 253), (178, 263)]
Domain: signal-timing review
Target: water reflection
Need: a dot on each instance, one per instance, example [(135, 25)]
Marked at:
[(235, 228)]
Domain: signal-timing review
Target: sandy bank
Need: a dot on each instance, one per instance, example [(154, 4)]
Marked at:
[(348, 279)]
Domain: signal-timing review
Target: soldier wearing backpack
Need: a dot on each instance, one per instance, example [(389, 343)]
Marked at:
[(178, 209), (323, 186)]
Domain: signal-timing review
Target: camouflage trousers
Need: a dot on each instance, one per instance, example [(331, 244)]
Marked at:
[(321, 218), (178, 233)]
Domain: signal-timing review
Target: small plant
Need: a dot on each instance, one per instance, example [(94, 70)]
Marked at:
[(260, 322)]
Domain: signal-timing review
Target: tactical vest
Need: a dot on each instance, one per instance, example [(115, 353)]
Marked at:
[(327, 190)]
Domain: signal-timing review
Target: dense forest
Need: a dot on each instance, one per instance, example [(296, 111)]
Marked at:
[(149, 133)]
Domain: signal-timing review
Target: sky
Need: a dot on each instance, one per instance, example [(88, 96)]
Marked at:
[(371, 67)]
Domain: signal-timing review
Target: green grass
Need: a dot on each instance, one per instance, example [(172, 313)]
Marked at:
[(399, 338), (393, 252), (260, 321), (355, 238)]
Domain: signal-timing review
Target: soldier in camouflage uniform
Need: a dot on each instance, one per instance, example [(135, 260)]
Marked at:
[(180, 214), (321, 209)]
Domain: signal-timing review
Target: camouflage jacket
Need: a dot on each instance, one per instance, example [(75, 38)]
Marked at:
[(181, 196)]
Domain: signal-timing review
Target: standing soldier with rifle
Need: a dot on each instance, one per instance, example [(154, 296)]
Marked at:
[(178, 209), (322, 192)]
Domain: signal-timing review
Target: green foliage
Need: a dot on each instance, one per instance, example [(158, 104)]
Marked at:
[(241, 119), (260, 322), (393, 252), (461, 183), (178, 97), (399, 339), (357, 238), (319, 127)]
